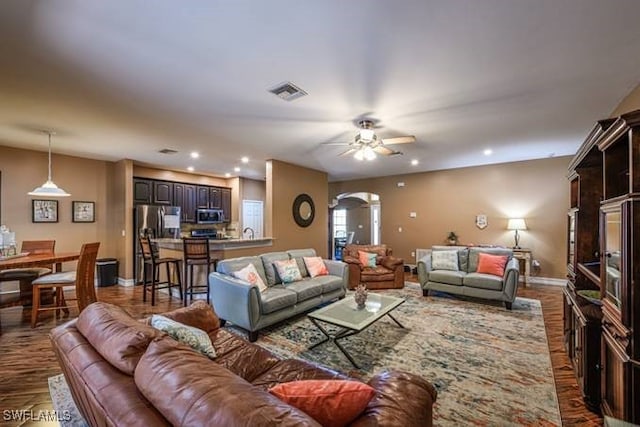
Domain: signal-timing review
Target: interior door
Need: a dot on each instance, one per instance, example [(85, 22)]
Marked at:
[(252, 217)]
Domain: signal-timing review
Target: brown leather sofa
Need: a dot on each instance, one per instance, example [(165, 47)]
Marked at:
[(123, 372), (387, 274)]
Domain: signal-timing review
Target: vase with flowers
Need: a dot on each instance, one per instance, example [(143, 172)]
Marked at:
[(360, 296)]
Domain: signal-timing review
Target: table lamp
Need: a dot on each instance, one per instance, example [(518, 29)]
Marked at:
[(516, 224)]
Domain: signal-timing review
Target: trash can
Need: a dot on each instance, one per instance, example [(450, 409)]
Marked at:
[(107, 271)]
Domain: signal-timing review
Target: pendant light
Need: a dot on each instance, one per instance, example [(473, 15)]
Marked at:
[(49, 189)]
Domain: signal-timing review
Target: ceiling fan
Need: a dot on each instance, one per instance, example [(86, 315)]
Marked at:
[(367, 145)]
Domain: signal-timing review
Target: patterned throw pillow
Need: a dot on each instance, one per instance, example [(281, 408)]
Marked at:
[(315, 266), (444, 260), (193, 337), (288, 270), (250, 274), (367, 259)]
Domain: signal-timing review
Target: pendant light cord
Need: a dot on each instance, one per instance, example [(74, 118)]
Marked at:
[(49, 178)]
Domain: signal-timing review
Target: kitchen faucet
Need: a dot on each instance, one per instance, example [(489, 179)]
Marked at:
[(249, 229)]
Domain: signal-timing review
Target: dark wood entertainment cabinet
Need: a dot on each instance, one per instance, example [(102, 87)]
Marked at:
[(602, 334)]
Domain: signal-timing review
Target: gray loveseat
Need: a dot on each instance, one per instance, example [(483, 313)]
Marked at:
[(244, 305), (467, 281)]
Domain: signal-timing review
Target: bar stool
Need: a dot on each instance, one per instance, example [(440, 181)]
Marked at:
[(152, 259), (196, 253)]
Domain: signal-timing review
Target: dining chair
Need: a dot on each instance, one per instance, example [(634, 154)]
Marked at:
[(197, 253), (82, 279), (153, 261), (26, 275)]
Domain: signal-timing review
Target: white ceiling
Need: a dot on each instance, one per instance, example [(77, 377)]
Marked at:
[(123, 79)]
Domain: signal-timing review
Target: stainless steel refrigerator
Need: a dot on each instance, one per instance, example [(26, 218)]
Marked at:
[(155, 222)]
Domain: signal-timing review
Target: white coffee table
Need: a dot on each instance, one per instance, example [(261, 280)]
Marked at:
[(345, 314)]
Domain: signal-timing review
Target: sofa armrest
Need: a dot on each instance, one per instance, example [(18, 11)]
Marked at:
[(401, 399), (510, 278), (351, 260), (424, 267), (235, 300), (338, 268), (391, 262)]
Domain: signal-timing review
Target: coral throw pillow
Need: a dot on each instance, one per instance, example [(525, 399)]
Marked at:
[(250, 274), (492, 264), (315, 266), (333, 403), (367, 259), (288, 270)]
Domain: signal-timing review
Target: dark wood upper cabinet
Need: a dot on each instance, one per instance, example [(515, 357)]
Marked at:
[(162, 193), (225, 203), (202, 197), (142, 191), (214, 198), (189, 206)]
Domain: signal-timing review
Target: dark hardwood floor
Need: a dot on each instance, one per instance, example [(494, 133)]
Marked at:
[(27, 360)]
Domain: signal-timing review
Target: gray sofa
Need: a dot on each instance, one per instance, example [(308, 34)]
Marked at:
[(467, 281), (244, 305)]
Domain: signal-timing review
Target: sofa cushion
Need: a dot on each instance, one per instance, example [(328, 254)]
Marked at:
[(241, 357), (444, 260), (117, 336), (329, 283), (287, 270), (376, 274), (205, 393), (306, 289), (294, 370), (199, 315), (276, 298), (492, 264), (483, 281), (195, 338), (447, 276), (476, 251), (250, 275), (228, 266), (298, 255), (330, 402), (269, 269)]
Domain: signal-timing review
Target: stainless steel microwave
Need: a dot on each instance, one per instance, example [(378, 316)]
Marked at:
[(209, 216)]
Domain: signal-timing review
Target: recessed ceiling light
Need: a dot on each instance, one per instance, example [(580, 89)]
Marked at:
[(190, 169), (414, 162), (245, 159), (236, 169), (195, 154), (488, 151), (227, 175)]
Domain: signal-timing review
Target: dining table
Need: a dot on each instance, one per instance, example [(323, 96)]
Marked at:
[(36, 260)]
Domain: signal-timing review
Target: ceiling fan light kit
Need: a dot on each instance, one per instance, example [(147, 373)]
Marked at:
[(365, 153)]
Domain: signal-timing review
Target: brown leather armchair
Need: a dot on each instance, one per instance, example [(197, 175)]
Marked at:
[(387, 274)]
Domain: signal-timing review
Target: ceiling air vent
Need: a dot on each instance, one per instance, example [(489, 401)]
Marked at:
[(287, 91), (167, 151)]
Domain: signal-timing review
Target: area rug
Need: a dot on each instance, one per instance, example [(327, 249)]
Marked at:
[(490, 366), (63, 404)]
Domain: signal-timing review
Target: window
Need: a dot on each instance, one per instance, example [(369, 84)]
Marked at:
[(340, 223)]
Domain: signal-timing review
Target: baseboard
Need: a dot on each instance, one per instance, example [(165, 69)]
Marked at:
[(547, 281), (126, 282)]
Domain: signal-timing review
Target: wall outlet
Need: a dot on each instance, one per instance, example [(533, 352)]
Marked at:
[(124, 233), (399, 229), (412, 214), (360, 226), (413, 254)]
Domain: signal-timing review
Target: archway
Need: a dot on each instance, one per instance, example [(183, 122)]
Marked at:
[(354, 218)]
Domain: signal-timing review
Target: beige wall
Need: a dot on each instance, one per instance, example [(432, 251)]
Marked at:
[(449, 200), (284, 183), (86, 180), (630, 103), (189, 178)]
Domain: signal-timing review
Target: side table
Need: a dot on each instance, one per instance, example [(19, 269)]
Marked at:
[(524, 255)]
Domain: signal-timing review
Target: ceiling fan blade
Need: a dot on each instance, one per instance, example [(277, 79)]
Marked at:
[(400, 140), (381, 149), (336, 143), (349, 151)]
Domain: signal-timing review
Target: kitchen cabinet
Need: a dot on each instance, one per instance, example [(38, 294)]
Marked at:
[(184, 196), (202, 197), (142, 191), (214, 198), (163, 193), (225, 203)]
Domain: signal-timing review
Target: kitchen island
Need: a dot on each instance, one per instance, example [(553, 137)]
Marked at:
[(220, 248)]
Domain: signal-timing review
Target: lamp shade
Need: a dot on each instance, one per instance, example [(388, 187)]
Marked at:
[(516, 224)]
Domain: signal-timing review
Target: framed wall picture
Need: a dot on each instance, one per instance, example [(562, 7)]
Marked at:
[(83, 211), (44, 211)]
